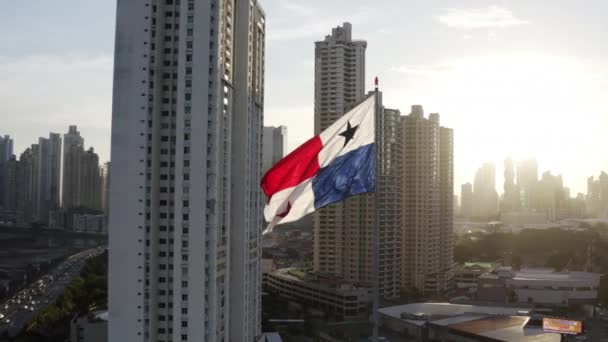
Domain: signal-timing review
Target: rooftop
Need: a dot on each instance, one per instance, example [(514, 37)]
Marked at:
[(326, 281), (499, 323)]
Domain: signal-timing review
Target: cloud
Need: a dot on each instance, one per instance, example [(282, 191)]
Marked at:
[(475, 18), (46, 93), (421, 69)]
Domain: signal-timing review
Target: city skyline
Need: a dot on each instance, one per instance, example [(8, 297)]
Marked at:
[(508, 41)]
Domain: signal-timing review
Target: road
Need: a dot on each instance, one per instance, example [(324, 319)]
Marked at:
[(17, 311)]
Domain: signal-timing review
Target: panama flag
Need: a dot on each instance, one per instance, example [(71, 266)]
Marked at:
[(338, 163)]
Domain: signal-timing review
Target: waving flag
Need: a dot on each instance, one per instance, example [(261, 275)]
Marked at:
[(338, 163)]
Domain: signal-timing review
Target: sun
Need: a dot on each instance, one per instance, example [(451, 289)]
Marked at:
[(520, 105)]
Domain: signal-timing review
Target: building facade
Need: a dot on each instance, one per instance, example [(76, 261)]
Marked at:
[(274, 146), (73, 148), (345, 300), (185, 221), (339, 84), (427, 205), (485, 197), (6, 152), (90, 181), (466, 200)]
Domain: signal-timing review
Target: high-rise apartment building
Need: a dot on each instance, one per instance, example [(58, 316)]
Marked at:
[(511, 200), (446, 206), (10, 191), (6, 152), (90, 181), (551, 197), (105, 188), (6, 148), (26, 193), (53, 197), (343, 231), (339, 84), (427, 205), (597, 196), (466, 200), (485, 197), (527, 183), (73, 148), (274, 146), (185, 219), (41, 179)]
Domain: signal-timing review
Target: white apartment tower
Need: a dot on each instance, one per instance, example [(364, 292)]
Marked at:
[(185, 217), (427, 205)]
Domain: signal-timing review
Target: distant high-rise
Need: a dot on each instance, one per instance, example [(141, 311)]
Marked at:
[(185, 213), (485, 197), (54, 175), (466, 200), (527, 183), (105, 188), (6, 148), (90, 181), (427, 205), (511, 198), (597, 196), (10, 191), (73, 148), (26, 186), (551, 197), (274, 146), (6, 152), (42, 180)]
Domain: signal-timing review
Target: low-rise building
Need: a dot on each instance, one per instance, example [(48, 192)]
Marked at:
[(465, 276), (542, 286), (457, 322), (92, 327), (87, 223), (330, 294)]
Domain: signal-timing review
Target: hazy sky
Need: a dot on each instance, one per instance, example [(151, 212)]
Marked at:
[(526, 78)]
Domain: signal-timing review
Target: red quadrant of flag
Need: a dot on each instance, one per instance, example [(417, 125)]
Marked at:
[(295, 168)]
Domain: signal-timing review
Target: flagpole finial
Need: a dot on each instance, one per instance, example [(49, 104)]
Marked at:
[(376, 82)]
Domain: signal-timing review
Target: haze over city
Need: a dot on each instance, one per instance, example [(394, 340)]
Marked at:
[(511, 77)]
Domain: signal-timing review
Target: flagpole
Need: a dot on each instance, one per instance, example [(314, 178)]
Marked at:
[(376, 227)]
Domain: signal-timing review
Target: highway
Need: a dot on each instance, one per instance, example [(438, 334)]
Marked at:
[(20, 309)]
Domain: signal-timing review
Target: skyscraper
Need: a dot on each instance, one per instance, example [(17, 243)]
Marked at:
[(54, 176), (90, 181), (274, 146), (343, 231), (339, 84), (42, 180), (511, 199), (6, 148), (185, 220), (6, 152), (466, 200), (73, 148), (105, 188), (485, 197), (427, 205), (527, 183)]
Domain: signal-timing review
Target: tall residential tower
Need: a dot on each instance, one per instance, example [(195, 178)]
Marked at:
[(427, 205), (185, 218)]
